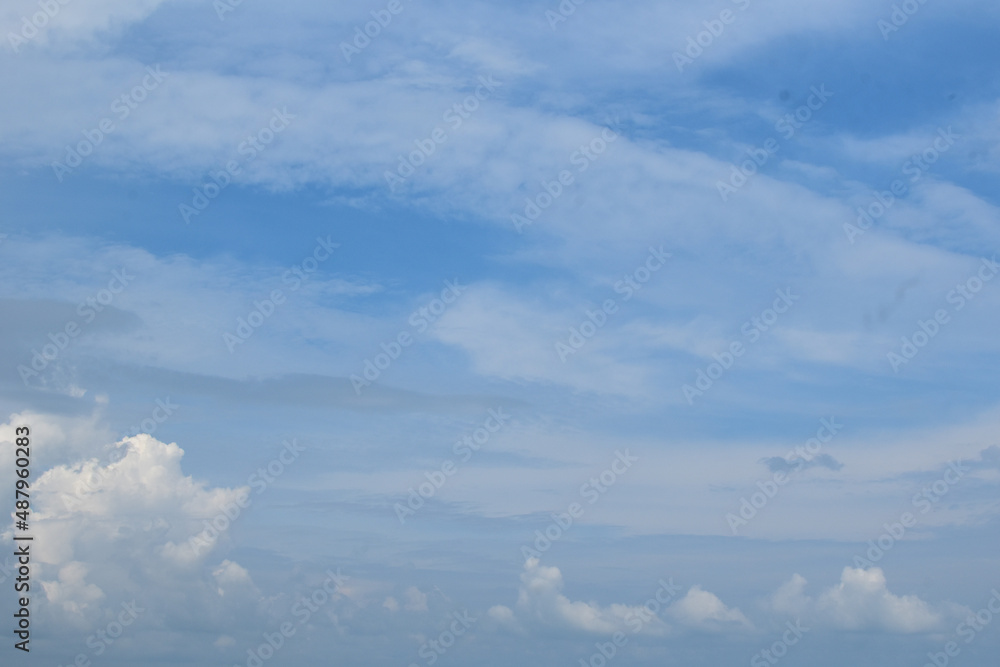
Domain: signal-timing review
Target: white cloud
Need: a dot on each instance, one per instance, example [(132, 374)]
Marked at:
[(540, 603), (701, 609), (861, 601), (71, 591), (790, 597), (66, 437), (415, 600), (232, 578), (145, 492), (106, 531)]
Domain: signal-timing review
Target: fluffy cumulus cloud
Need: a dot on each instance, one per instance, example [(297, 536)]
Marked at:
[(66, 437), (71, 592), (107, 532), (704, 610), (861, 601), (126, 525), (541, 604)]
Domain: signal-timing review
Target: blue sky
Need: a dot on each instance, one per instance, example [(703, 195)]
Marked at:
[(524, 400)]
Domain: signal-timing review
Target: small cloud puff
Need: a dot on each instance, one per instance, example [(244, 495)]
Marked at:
[(781, 464)]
